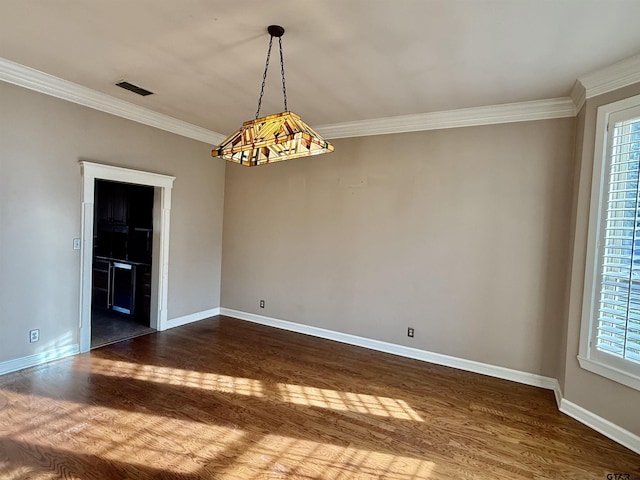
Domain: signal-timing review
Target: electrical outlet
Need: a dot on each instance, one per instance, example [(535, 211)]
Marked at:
[(410, 332), (261, 303), (34, 335)]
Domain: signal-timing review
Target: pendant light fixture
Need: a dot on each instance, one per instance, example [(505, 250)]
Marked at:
[(273, 138)]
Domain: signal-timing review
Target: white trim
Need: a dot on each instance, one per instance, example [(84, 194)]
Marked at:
[(38, 81), (599, 424), (160, 261), (589, 357), (128, 175), (465, 117), (612, 77), (194, 317), (608, 371), (578, 95), (557, 392), (62, 352), (401, 350), (38, 358)]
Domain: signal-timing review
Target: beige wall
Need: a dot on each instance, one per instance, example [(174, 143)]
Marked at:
[(606, 398), (462, 234), (41, 141)]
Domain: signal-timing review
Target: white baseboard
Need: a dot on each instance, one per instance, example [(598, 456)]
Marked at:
[(38, 358), (61, 352), (194, 317), (401, 350), (599, 424), (557, 391)]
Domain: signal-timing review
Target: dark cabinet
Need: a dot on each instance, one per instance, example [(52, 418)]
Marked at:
[(101, 283), (143, 292), (123, 235), (140, 206), (112, 203), (123, 221)]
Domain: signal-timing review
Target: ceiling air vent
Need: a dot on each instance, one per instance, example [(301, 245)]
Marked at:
[(134, 88)]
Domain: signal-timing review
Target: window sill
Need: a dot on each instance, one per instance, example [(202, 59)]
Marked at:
[(609, 372)]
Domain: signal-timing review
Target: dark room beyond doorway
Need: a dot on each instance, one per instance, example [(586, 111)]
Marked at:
[(121, 263)]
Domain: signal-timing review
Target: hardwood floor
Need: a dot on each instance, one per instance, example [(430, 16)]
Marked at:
[(228, 399)]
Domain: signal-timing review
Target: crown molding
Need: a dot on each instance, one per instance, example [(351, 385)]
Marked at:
[(38, 81), (465, 117), (578, 95), (612, 77)]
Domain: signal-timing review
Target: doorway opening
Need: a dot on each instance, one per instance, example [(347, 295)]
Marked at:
[(124, 253), (121, 266)]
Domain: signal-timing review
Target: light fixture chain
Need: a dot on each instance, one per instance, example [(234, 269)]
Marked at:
[(284, 88), (272, 138), (264, 76)]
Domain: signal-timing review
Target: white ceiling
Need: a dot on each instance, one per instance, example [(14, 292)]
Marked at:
[(345, 60)]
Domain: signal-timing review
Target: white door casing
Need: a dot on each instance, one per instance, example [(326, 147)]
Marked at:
[(160, 248)]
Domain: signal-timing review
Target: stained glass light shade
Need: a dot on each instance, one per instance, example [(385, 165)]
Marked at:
[(270, 139)]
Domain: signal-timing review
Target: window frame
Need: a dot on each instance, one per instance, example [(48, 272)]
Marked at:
[(590, 358)]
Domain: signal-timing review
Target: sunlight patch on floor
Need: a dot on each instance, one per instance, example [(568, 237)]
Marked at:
[(284, 457), (75, 436), (174, 376), (81, 431), (348, 401), (296, 394)]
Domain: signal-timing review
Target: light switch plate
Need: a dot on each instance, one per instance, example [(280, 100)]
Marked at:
[(76, 244)]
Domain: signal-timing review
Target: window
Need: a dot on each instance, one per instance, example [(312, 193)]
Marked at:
[(610, 337)]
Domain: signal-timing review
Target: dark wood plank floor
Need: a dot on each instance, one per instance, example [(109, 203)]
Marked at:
[(229, 399)]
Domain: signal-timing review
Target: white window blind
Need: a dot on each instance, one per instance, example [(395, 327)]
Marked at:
[(618, 322), (610, 331)]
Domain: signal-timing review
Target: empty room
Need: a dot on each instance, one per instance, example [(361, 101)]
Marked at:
[(320, 239)]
